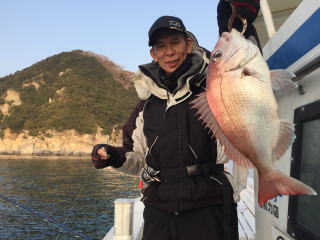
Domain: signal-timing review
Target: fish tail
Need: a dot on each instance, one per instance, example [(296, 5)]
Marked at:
[(276, 183)]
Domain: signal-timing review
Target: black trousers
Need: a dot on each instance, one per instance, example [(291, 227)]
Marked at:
[(198, 224)]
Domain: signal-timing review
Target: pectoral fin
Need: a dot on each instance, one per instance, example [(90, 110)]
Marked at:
[(281, 80), (206, 115), (285, 139)]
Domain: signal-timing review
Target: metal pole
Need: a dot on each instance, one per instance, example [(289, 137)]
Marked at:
[(267, 16)]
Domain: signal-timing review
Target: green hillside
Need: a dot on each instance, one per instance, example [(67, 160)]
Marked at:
[(70, 90)]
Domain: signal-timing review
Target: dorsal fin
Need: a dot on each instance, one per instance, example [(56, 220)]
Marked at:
[(285, 139), (206, 115)]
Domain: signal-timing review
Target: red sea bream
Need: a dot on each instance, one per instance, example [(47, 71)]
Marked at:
[(240, 109)]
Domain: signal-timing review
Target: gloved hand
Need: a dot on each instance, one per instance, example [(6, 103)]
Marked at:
[(99, 155), (247, 9), (99, 152)]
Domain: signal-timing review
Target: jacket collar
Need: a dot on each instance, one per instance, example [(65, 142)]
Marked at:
[(147, 80)]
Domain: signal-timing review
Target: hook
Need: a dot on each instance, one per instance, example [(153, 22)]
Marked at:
[(233, 16)]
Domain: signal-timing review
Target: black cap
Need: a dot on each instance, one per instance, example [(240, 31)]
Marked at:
[(193, 38), (170, 22)]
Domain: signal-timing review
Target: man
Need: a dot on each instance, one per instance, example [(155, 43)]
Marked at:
[(187, 194)]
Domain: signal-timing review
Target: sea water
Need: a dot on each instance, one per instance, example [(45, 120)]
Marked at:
[(69, 191)]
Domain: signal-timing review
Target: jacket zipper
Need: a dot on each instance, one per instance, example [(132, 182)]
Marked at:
[(180, 157), (194, 153), (216, 180), (144, 196), (155, 140)]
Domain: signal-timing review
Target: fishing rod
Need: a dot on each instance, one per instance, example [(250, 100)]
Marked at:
[(45, 218)]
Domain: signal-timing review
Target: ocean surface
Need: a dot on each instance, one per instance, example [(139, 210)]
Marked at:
[(69, 191)]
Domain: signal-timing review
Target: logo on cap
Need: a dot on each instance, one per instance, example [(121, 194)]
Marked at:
[(174, 24)]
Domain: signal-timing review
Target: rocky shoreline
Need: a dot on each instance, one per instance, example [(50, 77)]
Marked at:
[(54, 144), (42, 157)]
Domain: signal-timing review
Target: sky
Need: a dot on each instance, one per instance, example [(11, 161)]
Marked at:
[(32, 30)]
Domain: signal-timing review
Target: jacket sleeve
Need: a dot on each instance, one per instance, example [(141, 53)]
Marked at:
[(135, 145), (130, 157)]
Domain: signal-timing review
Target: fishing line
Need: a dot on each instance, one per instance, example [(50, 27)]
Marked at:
[(77, 196), (45, 218)]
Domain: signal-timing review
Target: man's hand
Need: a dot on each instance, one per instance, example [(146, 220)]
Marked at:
[(100, 157), (99, 152), (103, 154)]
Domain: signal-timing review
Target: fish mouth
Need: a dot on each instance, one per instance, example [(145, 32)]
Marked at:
[(226, 36)]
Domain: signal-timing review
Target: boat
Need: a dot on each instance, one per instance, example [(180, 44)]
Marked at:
[(289, 32), (293, 44)]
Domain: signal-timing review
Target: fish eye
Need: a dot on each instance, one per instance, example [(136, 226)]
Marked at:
[(216, 56)]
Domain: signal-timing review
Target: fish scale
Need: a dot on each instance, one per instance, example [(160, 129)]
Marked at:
[(241, 106)]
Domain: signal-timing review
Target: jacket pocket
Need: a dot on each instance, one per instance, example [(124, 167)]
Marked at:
[(206, 189), (156, 192)]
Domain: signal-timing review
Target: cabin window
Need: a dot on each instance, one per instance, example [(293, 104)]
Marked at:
[(304, 217)]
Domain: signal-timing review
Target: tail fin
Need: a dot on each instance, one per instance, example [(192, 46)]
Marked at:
[(276, 183)]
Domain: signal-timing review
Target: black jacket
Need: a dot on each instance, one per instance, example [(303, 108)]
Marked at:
[(164, 133)]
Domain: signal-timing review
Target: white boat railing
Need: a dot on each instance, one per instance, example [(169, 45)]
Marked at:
[(128, 220), (128, 217), (246, 213)]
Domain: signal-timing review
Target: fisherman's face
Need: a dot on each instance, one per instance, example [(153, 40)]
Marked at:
[(170, 49)]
